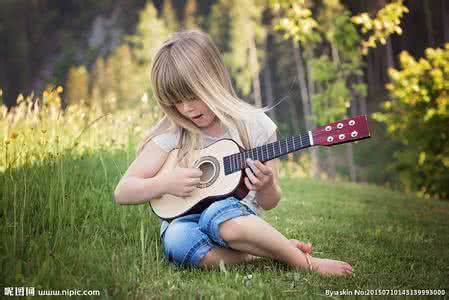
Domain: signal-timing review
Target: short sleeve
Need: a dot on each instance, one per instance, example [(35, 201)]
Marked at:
[(261, 128), (167, 140)]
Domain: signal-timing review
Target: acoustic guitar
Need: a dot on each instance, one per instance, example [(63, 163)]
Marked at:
[(223, 165)]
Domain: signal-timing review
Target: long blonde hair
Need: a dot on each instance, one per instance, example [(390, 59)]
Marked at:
[(189, 65)]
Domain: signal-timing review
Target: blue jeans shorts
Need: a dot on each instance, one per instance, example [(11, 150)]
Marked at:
[(187, 239)]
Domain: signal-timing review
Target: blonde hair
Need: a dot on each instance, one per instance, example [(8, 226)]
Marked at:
[(189, 65)]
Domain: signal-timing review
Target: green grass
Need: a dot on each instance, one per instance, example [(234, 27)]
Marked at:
[(61, 230)]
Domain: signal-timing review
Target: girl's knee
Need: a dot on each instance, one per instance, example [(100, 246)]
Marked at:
[(232, 230), (220, 221)]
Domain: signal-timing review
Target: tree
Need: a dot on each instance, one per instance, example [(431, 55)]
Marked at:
[(190, 18), (241, 39), (169, 16), (378, 29), (417, 115), (150, 34)]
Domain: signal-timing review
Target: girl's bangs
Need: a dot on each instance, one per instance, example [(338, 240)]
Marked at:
[(174, 88)]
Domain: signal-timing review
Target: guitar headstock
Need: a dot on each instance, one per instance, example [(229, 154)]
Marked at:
[(344, 131)]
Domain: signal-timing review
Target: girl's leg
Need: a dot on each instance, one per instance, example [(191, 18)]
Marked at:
[(231, 225), (228, 256), (231, 256), (253, 235)]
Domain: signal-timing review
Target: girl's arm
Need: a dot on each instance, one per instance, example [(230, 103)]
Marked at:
[(268, 193), (139, 184), (269, 197)]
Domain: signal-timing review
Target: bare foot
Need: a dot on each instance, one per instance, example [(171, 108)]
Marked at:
[(330, 267), (306, 248)]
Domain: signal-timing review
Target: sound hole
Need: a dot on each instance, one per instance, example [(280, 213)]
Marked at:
[(208, 169), (211, 169)]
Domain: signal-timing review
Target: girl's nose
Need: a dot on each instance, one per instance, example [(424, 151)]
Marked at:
[(187, 106)]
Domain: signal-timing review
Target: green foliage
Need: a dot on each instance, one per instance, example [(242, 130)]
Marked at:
[(295, 20), (122, 79), (332, 52), (334, 97), (386, 22), (220, 23), (417, 115), (239, 34), (150, 33)]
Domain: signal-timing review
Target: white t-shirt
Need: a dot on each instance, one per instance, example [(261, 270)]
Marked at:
[(260, 128)]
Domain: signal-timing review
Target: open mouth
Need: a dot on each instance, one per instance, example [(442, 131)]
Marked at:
[(197, 117)]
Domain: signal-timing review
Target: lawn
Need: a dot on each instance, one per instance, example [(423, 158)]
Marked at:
[(61, 230)]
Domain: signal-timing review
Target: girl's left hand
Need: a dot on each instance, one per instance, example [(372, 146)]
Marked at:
[(258, 175)]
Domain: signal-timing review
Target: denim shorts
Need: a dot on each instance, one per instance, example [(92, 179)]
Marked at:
[(187, 239)]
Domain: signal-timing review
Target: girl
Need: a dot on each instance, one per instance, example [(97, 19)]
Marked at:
[(194, 90)]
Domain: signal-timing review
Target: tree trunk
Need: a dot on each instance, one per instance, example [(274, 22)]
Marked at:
[(390, 55), (332, 169), (350, 154), (305, 93), (255, 66), (428, 19), (268, 87), (445, 19), (361, 99), (351, 165), (349, 149)]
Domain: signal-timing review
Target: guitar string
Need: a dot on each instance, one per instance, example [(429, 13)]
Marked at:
[(290, 142)]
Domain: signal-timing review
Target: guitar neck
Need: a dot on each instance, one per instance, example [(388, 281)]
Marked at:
[(340, 132), (237, 161)]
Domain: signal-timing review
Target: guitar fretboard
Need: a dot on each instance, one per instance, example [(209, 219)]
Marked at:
[(237, 161)]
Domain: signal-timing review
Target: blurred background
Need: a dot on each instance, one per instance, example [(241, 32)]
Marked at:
[(74, 76)]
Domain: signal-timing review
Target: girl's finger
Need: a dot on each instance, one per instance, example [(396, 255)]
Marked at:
[(194, 181), (253, 179), (254, 168), (263, 168), (248, 184)]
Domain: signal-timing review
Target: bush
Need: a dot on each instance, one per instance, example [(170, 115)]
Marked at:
[(417, 115)]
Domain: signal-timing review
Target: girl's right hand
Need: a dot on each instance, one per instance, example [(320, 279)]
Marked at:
[(182, 182)]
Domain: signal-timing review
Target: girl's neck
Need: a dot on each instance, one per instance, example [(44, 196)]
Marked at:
[(215, 129)]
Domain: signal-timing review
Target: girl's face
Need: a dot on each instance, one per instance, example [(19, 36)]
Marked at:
[(196, 111)]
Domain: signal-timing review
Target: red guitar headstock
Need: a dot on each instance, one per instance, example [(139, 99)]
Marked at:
[(344, 131)]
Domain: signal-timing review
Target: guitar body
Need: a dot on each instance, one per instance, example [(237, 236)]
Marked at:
[(214, 184)]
